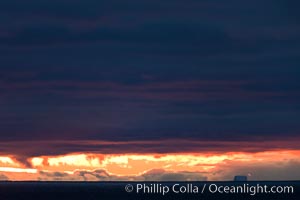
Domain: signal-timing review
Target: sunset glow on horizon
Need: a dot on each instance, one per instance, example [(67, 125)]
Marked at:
[(186, 166), (149, 90)]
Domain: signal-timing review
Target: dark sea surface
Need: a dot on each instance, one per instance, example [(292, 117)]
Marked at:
[(146, 190)]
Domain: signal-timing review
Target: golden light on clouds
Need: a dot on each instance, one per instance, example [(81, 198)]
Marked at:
[(135, 165), (6, 160), (18, 170)]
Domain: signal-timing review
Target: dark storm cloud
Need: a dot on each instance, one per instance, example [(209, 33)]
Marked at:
[(159, 38), (25, 150), (148, 70)]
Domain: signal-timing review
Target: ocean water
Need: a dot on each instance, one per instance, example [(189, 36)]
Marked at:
[(145, 190)]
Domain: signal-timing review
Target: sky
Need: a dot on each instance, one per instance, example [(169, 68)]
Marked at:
[(149, 90)]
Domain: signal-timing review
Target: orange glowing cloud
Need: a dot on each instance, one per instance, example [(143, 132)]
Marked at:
[(97, 167)]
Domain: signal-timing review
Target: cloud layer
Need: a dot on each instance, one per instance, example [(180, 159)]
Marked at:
[(148, 77), (257, 169)]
